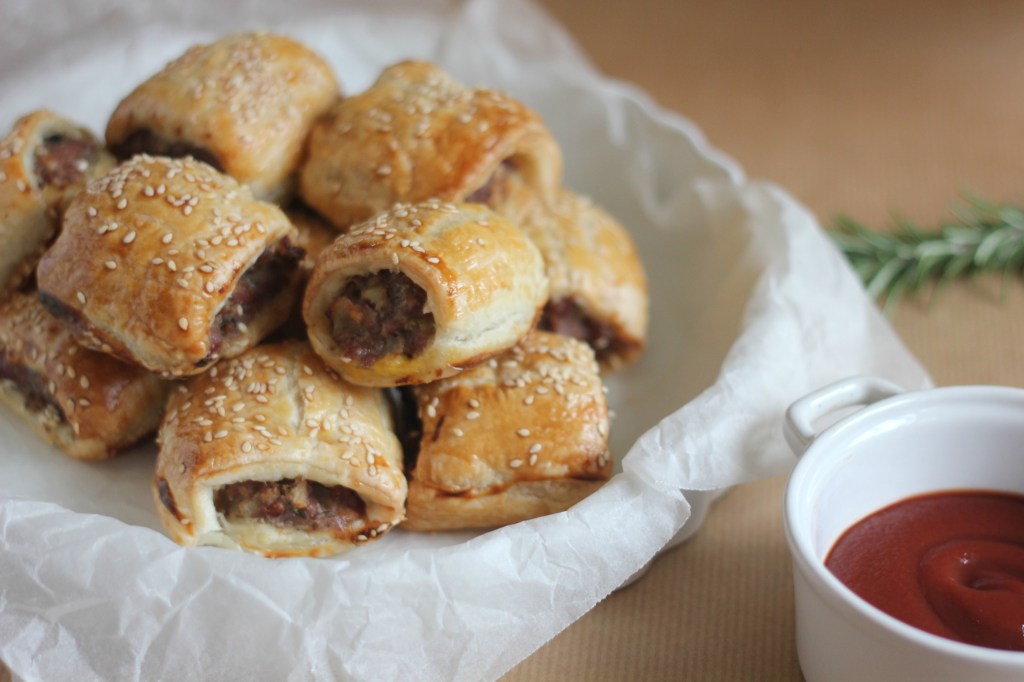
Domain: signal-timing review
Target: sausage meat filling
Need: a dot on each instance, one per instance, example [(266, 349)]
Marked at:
[(32, 386), (565, 317), (293, 503), (267, 276), (380, 314), (61, 161), (145, 141)]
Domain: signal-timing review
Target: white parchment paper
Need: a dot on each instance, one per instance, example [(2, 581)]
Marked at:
[(751, 308)]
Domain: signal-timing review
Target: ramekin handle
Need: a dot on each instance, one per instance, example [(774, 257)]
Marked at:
[(801, 415)]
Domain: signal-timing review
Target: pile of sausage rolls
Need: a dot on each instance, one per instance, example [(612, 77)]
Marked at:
[(338, 314)]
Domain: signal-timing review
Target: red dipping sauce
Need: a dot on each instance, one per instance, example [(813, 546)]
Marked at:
[(949, 563)]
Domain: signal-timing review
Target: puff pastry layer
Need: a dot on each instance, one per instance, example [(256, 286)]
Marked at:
[(598, 285), (272, 453), (45, 160), (170, 264), (421, 292), (244, 104), (523, 435), (418, 134), (88, 404)]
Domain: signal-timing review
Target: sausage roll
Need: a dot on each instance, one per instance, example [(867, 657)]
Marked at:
[(88, 404), (171, 265), (418, 134), (273, 453), (422, 292), (44, 161), (598, 285), (523, 435), (243, 104)]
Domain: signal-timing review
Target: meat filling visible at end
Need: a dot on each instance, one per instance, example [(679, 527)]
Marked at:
[(380, 314), (61, 161), (293, 503), (565, 317), (32, 386), (145, 141), (259, 284)]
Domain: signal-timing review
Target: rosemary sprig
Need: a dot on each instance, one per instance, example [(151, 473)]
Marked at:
[(984, 237)]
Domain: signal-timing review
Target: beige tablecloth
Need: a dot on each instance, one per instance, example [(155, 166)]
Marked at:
[(868, 108)]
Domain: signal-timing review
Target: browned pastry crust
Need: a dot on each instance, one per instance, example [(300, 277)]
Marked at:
[(254, 453), (418, 134), (245, 104), (422, 292), (45, 160), (171, 265), (88, 404), (523, 435), (598, 284)]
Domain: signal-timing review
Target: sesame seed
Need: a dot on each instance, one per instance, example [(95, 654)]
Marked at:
[(209, 287), (129, 238), (472, 415), (474, 403), (247, 446), (183, 323), (172, 266), (81, 297), (535, 448), (523, 432), (533, 459), (166, 239), (394, 258), (220, 434), (431, 411), (122, 204), (458, 432), (110, 265), (84, 382), (516, 463), (91, 212), (434, 259), (262, 399), (529, 399), (207, 437), (309, 372)]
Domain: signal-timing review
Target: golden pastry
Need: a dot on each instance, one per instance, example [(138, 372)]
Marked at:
[(417, 134), (598, 285), (272, 453), (422, 292), (88, 404), (243, 104), (170, 264), (523, 435), (44, 161)]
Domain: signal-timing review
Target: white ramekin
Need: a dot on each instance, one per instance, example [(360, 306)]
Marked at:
[(901, 444)]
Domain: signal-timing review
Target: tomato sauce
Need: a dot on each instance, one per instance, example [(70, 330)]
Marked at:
[(948, 563)]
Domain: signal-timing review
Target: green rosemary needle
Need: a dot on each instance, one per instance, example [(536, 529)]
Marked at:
[(984, 237)]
